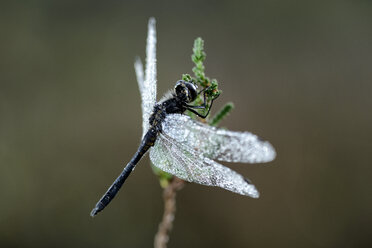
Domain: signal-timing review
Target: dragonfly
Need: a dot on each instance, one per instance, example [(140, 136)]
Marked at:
[(182, 146)]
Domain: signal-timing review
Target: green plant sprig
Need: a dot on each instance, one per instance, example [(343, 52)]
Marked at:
[(221, 114), (210, 85), (211, 91)]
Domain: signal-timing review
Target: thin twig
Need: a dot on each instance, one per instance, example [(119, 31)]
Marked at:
[(165, 226)]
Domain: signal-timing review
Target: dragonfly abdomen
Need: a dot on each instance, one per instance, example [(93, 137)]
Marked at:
[(147, 142)]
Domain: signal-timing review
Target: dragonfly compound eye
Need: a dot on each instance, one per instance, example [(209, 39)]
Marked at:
[(186, 90), (192, 91)]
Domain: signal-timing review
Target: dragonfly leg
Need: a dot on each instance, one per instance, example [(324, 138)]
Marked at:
[(203, 106)]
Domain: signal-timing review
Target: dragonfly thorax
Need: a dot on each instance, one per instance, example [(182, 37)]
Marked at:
[(171, 105), (184, 92)]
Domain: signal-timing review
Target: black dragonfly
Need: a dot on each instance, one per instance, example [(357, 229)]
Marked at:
[(182, 146)]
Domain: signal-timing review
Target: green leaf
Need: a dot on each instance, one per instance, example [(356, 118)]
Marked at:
[(224, 111), (186, 77)]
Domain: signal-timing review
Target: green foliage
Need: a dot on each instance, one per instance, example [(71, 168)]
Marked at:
[(211, 91), (204, 82), (164, 177), (186, 77), (198, 58), (224, 111)]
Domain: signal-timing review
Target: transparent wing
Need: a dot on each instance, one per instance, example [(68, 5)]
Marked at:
[(190, 165), (218, 144), (138, 67), (147, 84)]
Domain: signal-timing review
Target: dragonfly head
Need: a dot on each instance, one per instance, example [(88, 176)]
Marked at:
[(186, 91)]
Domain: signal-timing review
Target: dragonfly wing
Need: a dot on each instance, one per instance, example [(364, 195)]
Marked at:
[(147, 83), (190, 165), (218, 144), (138, 67)]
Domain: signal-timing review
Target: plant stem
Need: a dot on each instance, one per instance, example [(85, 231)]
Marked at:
[(165, 226), (171, 183)]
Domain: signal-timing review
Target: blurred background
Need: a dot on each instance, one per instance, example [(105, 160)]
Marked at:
[(299, 74)]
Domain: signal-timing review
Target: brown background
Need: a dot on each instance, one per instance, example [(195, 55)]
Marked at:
[(299, 74)]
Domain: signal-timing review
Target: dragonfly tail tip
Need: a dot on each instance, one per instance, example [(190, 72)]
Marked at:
[(94, 212)]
